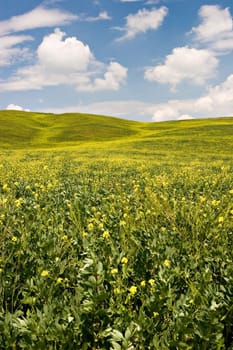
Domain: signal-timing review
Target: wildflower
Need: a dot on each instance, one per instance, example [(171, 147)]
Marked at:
[(14, 239), (59, 280), (167, 263), (155, 314), (106, 234), (49, 186), (114, 271), (231, 191), (90, 227), (151, 282), (5, 188), (84, 234), (220, 219), (143, 283), (101, 225), (18, 202), (202, 199), (44, 273), (116, 291), (133, 290), (122, 223), (64, 238), (124, 260)]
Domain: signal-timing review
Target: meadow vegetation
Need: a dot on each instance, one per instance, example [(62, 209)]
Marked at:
[(115, 234)]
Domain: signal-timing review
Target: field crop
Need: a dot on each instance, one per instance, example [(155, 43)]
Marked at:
[(119, 244)]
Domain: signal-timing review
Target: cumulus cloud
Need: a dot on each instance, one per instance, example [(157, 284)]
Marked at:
[(165, 113), (9, 50), (184, 63), (216, 27), (70, 54), (143, 21), (37, 18), (114, 76), (14, 107), (218, 101), (66, 61)]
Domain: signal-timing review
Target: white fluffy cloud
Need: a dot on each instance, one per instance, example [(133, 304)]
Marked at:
[(216, 27), (37, 18), (217, 102), (68, 55), (14, 107), (114, 76), (66, 61), (184, 63), (143, 21)]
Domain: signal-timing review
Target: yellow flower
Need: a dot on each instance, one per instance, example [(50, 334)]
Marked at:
[(100, 225), (116, 291), (114, 271), (59, 280), (155, 314), (44, 273), (5, 188), (220, 219), (90, 227), (167, 263), (14, 239), (64, 238), (143, 283), (151, 282), (124, 260), (231, 191), (18, 202), (202, 199), (122, 223), (133, 290), (106, 234)]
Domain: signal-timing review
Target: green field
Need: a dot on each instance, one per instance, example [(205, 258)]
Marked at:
[(115, 234)]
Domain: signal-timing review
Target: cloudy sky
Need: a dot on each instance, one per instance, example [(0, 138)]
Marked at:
[(136, 59)]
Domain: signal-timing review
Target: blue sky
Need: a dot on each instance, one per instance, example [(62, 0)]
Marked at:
[(150, 60)]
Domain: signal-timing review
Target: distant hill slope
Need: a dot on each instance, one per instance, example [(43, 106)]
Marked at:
[(26, 130)]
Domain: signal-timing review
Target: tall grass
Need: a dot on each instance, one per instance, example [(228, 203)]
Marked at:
[(119, 244)]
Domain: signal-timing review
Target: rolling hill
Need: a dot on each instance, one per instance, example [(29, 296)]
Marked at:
[(191, 139)]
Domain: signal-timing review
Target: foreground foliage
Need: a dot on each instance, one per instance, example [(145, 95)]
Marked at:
[(115, 255)]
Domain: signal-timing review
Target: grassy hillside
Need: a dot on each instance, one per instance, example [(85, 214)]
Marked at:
[(115, 234), (99, 136), (26, 129)]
